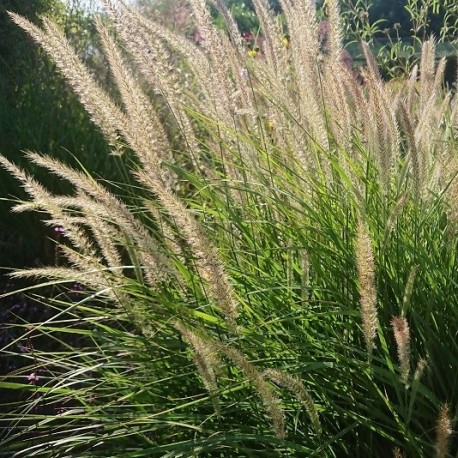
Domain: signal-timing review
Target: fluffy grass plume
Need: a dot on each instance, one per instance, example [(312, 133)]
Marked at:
[(402, 337), (367, 290), (443, 432)]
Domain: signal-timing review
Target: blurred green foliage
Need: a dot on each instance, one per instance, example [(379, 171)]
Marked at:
[(243, 12), (396, 31)]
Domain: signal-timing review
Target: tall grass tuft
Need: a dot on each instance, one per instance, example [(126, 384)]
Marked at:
[(282, 209)]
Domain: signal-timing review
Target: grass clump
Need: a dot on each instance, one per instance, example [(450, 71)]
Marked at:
[(273, 304)]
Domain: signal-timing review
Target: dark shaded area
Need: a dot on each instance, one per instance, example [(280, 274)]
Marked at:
[(395, 12), (451, 72), (38, 112), (390, 12)]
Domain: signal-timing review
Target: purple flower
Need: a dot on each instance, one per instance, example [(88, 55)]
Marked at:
[(248, 37), (323, 31), (346, 60), (77, 287), (33, 378), (197, 37), (23, 348), (58, 231), (17, 307)]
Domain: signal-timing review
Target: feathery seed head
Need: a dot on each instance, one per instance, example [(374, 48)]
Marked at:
[(296, 387), (421, 366), (263, 389), (443, 432), (366, 276), (402, 337), (397, 453), (206, 361)]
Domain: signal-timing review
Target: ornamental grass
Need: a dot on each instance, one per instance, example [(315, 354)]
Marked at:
[(277, 277)]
